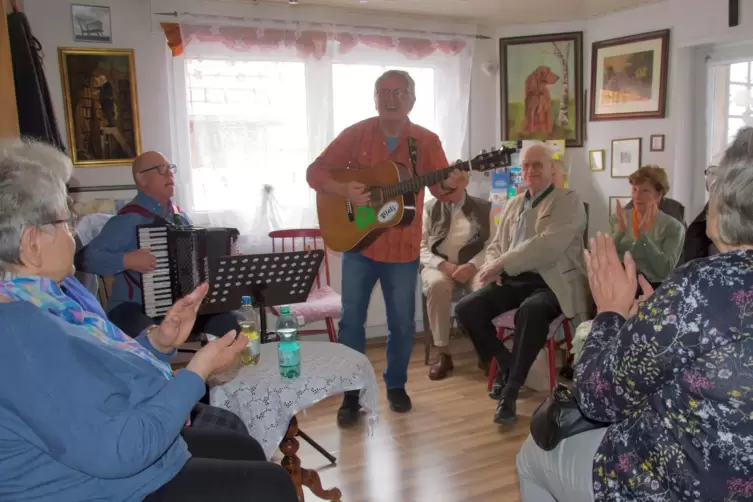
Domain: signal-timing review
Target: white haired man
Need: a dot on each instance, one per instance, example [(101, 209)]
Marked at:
[(534, 264)]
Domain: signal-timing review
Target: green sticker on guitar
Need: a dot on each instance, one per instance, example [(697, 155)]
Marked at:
[(365, 216)]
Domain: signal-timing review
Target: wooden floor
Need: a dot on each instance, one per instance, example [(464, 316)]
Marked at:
[(446, 450)]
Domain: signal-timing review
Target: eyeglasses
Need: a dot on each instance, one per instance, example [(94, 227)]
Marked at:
[(395, 93), (162, 169), (67, 223)]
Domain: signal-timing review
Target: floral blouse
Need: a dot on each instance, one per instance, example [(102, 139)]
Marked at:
[(676, 382)]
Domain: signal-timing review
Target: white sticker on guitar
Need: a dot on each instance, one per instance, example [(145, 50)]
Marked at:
[(388, 212)]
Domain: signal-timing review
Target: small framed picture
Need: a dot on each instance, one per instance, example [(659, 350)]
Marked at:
[(626, 156), (596, 160), (657, 143), (91, 23), (623, 200)]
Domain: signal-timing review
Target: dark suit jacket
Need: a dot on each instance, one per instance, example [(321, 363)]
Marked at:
[(697, 244)]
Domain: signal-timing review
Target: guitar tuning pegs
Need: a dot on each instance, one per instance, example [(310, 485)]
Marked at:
[(483, 151)]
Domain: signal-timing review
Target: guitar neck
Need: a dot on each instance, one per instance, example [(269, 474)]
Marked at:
[(418, 182)]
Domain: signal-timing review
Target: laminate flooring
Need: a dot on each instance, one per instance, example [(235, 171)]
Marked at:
[(447, 449)]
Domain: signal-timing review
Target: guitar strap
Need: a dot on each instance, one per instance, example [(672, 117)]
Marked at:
[(413, 151)]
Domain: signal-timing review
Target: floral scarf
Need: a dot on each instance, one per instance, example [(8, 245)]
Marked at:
[(47, 295)]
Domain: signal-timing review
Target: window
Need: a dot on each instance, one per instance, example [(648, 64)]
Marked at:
[(248, 128), (249, 123), (353, 91), (732, 104)]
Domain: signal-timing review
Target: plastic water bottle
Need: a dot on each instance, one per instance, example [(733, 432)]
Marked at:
[(288, 348), (249, 329)]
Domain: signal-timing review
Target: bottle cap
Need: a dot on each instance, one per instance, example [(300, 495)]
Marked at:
[(245, 300), (285, 310)]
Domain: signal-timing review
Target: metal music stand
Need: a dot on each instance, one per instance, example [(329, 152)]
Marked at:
[(271, 280)]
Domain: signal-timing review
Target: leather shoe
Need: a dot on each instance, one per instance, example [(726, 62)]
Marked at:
[(399, 400), (505, 414), (441, 368), (500, 380), (350, 411)]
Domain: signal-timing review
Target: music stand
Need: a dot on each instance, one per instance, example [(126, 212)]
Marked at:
[(270, 279)]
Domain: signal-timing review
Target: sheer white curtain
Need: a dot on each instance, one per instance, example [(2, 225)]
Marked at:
[(255, 104)]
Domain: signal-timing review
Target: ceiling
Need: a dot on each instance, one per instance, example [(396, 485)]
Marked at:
[(496, 12)]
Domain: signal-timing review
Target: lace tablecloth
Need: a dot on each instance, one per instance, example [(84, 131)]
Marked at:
[(267, 403)]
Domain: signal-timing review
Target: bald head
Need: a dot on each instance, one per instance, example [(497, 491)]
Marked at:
[(152, 175), (537, 166)]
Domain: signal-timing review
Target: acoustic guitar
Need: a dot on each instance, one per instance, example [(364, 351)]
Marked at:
[(393, 189)]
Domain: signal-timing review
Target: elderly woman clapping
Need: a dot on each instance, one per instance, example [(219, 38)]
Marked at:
[(87, 412), (674, 380)]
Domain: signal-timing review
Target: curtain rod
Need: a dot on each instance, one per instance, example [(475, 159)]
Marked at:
[(211, 16)]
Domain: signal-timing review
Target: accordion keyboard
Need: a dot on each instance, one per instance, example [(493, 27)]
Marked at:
[(157, 292)]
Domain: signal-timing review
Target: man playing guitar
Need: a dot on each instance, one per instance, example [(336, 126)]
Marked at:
[(392, 259)]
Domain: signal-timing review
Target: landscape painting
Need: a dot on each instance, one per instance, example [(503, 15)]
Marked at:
[(542, 88), (629, 77)]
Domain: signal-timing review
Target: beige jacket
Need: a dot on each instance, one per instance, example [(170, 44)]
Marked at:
[(556, 252)]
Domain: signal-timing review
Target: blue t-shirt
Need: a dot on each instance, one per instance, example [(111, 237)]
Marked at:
[(392, 143)]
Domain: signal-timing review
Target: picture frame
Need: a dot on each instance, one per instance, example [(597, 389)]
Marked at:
[(656, 143), (629, 77), (626, 156), (101, 106), (623, 199), (544, 69), (91, 23), (596, 160)]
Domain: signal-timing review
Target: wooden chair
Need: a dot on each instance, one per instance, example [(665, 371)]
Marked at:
[(323, 303), (505, 325)]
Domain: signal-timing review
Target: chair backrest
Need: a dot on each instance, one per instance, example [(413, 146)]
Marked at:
[(301, 239), (585, 231)]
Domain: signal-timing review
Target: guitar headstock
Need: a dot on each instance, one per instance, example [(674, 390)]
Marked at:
[(494, 159)]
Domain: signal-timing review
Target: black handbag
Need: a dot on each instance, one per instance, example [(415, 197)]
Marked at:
[(559, 417)]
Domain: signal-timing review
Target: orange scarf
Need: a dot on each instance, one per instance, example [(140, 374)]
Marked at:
[(635, 224)]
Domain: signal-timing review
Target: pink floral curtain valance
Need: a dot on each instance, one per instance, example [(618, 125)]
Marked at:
[(307, 42)]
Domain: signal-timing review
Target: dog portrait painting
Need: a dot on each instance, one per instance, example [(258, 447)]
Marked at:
[(542, 88)]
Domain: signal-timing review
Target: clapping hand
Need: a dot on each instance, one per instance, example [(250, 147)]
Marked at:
[(217, 355), (648, 217), (178, 322), (613, 285), (621, 225)]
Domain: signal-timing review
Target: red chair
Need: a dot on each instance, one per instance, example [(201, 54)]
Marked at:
[(323, 303), (505, 325)]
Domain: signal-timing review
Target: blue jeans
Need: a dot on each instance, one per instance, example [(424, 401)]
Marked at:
[(398, 281)]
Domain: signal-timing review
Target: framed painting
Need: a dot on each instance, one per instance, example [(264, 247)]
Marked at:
[(542, 87), (596, 160), (91, 23), (629, 77), (101, 110), (657, 143), (626, 156)]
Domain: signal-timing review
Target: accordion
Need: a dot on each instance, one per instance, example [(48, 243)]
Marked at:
[(183, 254)]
